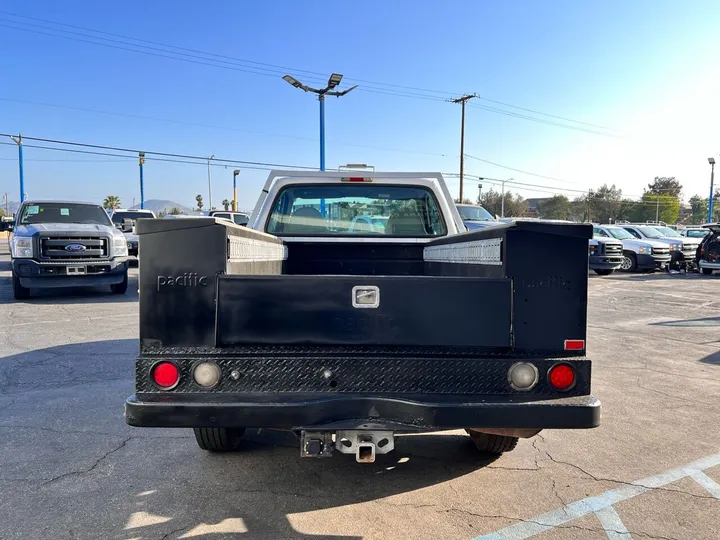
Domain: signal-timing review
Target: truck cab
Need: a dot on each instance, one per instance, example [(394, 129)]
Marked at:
[(125, 220), (349, 335), (62, 244)]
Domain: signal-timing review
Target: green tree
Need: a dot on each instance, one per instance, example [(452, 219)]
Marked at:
[(198, 200), (602, 204), (174, 211), (464, 201), (226, 204), (665, 185), (557, 207), (515, 205), (699, 207), (111, 202), (661, 207), (162, 214)]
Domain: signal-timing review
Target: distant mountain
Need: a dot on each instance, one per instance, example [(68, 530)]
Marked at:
[(11, 205), (162, 205)]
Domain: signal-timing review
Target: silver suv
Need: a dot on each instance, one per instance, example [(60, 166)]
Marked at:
[(638, 255)]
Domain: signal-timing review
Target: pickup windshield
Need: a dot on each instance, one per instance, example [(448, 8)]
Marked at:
[(475, 213), (117, 217), (620, 234), (63, 213), (650, 232), (667, 231), (356, 210)]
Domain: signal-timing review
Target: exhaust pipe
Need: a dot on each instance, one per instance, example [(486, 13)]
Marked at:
[(365, 452)]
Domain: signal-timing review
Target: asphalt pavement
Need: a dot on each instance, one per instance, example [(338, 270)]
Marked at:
[(70, 468)]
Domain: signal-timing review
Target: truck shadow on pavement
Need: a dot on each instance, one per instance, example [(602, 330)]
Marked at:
[(713, 359), (133, 483)]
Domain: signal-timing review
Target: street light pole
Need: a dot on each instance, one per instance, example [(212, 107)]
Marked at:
[(333, 81), (141, 160), (18, 141), (235, 174), (711, 161), (210, 184)]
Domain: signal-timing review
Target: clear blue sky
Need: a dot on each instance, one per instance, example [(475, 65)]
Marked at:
[(645, 68)]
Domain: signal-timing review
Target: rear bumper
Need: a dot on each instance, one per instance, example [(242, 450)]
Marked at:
[(321, 412)]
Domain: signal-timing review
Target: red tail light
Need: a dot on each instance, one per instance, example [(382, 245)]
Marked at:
[(356, 179), (166, 375), (562, 376)]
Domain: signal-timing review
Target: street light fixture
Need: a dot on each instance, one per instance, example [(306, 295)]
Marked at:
[(333, 82), (711, 161)]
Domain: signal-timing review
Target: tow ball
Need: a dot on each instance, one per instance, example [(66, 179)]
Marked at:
[(364, 444)]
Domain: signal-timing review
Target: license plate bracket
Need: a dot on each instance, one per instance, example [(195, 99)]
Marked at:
[(76, 270)]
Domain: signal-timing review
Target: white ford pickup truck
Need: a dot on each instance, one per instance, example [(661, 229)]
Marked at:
[(355, 306)]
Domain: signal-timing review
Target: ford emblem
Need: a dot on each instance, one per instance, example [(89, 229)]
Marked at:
[(75, 248)]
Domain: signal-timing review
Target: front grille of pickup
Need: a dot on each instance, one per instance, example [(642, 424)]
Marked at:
[(343, 375), (660, 251), (613, 249), (55, 248)]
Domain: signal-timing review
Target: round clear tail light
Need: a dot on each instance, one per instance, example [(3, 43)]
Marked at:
[(562, 376), (206, 374), (522, 376), (166, 375)]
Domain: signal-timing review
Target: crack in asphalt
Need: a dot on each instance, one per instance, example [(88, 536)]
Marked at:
[(622, 482), (688, 400), (440, 509), (166, 536), (92, 467)]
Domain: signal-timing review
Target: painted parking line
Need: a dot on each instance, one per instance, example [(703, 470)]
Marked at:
[(598, 503), (613, 525)]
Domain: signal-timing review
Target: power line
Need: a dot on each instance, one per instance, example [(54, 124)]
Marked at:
[(258, 68), (226, 128), (164, 154)]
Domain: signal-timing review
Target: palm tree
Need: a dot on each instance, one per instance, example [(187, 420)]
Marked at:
[(174, 211), (111, 202), (226, 204), (198, 198)]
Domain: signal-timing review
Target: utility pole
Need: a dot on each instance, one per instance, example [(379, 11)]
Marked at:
[(18, 141), (141, 160), (235, 174), (209, 185), (502, 199), (657, 209), (7, 211), (462, 100)]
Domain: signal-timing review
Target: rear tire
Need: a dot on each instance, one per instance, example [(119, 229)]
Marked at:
[(707, 271), (219, 439), (120, 288), (604, 272), (19, 292), (492, 444)]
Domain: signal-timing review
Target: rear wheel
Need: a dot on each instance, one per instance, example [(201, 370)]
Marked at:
[(219, 439), (120, 288), (629, 263), (604, 272), (707, 271), (492, 444), (19, 292)]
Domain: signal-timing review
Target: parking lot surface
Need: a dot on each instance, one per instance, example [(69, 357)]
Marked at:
[(70, 468)]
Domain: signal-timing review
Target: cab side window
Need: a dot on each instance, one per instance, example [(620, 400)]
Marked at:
[(633, 232), (599, 232)]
